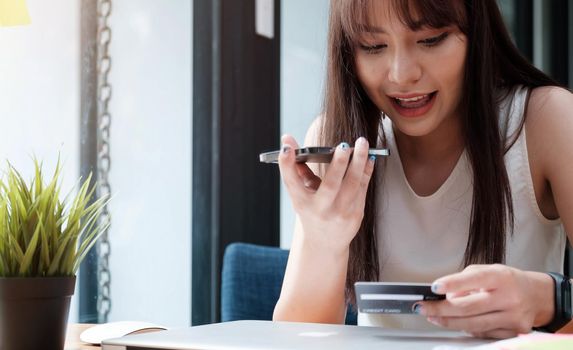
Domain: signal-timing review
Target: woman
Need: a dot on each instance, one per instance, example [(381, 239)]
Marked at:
[(476, 196)]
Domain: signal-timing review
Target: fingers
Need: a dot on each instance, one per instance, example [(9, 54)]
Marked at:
[(472, 304), (345, 181), (358, 173), (289, 140), (485, 300), (332, 180), (469, 305), (473, 277), (310, 180), (366, 176), (475, 324), (289, 171)]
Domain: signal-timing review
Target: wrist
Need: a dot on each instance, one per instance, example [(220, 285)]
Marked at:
[(562, 300), (321, 246), (319, 242), (544, 291)]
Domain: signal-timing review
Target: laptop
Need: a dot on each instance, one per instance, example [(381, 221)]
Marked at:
[(268, 335)]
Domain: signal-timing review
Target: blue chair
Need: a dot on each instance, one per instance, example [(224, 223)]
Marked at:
[(251, 282)]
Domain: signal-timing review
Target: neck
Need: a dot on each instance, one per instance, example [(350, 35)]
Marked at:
[(443, 143)]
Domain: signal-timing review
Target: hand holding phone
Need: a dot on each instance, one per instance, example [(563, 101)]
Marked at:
[(316, 154), (323, 198)]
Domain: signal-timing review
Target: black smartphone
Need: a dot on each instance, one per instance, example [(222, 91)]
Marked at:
[(316, 154)]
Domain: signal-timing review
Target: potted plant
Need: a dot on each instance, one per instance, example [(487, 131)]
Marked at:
[(43, 240)]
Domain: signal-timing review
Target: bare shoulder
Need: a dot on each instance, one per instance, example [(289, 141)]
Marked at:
[(549, 130), (550, 106), (313, 134), (549, 120)]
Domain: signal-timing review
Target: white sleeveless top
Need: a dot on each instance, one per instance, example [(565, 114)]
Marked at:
[(423, 238)]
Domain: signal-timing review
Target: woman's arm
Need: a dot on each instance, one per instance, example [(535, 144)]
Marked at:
[(314, 282), (329, 214), (496, 300), (549, 128)]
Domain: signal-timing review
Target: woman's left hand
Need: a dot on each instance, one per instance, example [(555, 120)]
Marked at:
[(491, 301)]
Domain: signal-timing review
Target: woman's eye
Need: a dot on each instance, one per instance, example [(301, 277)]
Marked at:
[(372, 48), (433, 41)]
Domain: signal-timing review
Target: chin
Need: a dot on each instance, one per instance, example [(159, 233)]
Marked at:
[(412, 132), (414, 128)]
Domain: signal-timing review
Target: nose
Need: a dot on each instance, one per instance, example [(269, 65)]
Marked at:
[(404, 69)]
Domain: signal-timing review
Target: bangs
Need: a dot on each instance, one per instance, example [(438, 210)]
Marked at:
[(356, 16)]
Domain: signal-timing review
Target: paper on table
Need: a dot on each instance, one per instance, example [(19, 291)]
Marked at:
[(531, 341), (13, 12)]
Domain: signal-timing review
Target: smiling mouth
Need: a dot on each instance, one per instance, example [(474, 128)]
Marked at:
[(414, 102)]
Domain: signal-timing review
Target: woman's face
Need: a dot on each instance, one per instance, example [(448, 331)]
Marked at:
[(415, 77)]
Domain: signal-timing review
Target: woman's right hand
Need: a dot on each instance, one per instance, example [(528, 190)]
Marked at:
[(330, 210)]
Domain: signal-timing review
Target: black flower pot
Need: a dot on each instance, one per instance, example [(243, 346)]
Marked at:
[(34, 312)]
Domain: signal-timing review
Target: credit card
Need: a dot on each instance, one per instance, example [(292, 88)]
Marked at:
[(392, 297)]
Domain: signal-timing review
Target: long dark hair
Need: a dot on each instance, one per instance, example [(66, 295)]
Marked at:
[(493, 64)]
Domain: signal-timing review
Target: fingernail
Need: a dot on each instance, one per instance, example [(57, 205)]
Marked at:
[(372, 159), (344, 146), (285, 149), (418, 309), (361, 141), (436, 287)]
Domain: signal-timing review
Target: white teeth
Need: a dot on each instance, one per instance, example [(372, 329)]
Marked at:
[(412, 99)]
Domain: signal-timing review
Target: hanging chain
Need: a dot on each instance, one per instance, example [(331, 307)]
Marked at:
[(104, 161)]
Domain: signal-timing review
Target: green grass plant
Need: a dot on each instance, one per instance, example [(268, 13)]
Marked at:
[(42, 235)]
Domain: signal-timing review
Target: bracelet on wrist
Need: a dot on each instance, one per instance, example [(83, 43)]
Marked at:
[(563, 303)]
